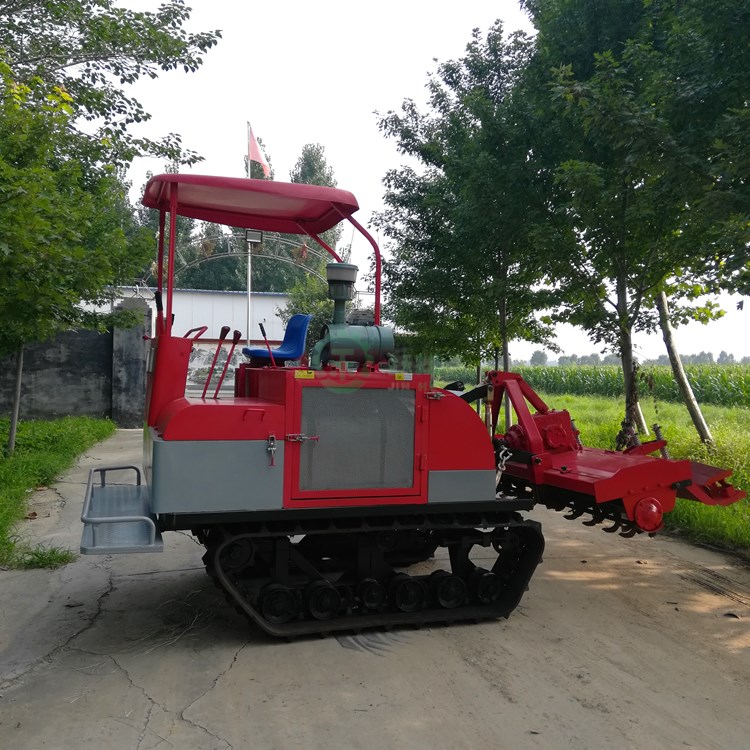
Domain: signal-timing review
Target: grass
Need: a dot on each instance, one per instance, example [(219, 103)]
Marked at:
[(44, 450), (598, 419), (723, 385), (41, 556)]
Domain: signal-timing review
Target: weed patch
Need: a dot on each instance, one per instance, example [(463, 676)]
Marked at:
[(41, 556)]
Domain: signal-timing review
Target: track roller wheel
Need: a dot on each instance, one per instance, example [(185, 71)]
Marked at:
[(278, 604), (486, 586), (387, 540), (407, 594), (449, 590), (371, 593), (322, 600), (238, 554)]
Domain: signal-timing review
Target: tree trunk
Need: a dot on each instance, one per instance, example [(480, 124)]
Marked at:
[(478, 406), (678, 371), (16, 404), (506, 368), (506, 358), (633, 413)]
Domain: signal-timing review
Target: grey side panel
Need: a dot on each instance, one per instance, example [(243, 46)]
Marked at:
[(457, 486), (366, 439), (215, 475)]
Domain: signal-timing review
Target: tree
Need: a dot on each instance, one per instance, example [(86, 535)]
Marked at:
[(213, 256), (295, 263), (538, 358), (309, 294), (616, 256), (700, 78), (702, 95), (64, 235), (86, 48), (216, 258), (282, 263), (211, 259), (629, 176), (590, 359), (312, 169), (683, 384), (462, 274), (649, 121), (67, 230)]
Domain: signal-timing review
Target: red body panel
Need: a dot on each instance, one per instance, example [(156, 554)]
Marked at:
[(457, 437), (227, 419), (609, 475), (168, 374)]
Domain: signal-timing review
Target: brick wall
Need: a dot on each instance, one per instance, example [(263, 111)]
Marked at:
[(83, 373)]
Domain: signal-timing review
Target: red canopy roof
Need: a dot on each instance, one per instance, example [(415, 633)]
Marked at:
[(250, 203)]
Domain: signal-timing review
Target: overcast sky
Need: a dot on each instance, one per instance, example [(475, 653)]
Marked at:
[(316, 72)]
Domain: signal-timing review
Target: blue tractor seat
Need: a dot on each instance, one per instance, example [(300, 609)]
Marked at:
[(293, 345)]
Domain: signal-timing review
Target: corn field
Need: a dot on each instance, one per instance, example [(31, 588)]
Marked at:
[(723, 385)]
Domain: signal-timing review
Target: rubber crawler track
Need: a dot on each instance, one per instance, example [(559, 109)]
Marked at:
[(514, 568)]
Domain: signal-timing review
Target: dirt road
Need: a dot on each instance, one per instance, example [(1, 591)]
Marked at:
[(641, 643)]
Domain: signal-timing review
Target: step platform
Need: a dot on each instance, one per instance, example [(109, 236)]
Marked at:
[(117, 518)]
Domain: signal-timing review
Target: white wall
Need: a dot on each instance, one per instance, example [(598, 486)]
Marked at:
[(193, 308), (216, 309)]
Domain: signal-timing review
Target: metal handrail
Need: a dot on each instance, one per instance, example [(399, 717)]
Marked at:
[(98, 520)]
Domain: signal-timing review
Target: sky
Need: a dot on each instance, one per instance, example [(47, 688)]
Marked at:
[(318, 72)]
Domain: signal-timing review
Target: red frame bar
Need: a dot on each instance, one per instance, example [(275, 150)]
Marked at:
[(378, 264), (160, 272), (170, 261), (323, 244)]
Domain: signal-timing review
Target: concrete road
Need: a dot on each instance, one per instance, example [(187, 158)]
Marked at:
[(639, 643)]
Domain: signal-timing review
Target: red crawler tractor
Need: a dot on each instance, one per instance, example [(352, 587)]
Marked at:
[(317, 489)]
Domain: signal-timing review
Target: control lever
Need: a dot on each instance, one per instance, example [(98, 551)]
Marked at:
[(222, 336), (236, 336)]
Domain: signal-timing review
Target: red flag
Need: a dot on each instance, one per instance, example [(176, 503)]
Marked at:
[(254, 153)]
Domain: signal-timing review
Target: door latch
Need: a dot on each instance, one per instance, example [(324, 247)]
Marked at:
[(271, 450)]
